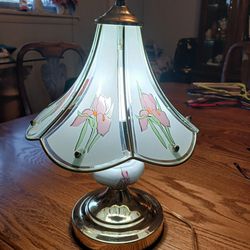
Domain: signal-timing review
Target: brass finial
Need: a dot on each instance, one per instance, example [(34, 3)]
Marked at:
[(118, 14)]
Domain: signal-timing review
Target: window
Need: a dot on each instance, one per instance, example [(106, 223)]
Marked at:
[(15, 4), (9, 3)]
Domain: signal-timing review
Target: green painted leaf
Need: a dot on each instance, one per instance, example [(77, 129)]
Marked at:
[(92, 143), (82, 135), (155, 120), (92, 122), (169, 136), (157, 133), (90, 139)]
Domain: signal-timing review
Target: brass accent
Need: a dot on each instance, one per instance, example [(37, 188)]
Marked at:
[(77, 154), (118, 14), (32, 122), (176, 148), (189, 118), (110, 219)]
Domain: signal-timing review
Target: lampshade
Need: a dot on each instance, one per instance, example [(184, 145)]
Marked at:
[(115, 111)]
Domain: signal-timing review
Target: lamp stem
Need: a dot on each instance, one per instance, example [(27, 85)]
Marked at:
[(120, 2)]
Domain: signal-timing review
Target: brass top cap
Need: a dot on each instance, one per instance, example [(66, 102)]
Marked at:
[(118, 14)]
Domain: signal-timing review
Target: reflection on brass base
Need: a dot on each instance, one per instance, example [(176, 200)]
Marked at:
[(117, 219)]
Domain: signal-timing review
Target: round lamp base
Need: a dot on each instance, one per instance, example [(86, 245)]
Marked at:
[(117, 219)]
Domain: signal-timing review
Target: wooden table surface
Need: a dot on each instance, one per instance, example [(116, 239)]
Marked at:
[(36, 196)]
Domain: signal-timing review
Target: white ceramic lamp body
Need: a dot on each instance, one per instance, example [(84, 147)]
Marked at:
[(120, 176)]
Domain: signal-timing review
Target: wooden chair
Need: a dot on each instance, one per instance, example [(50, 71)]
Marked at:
[(53, 71), (237, 64)]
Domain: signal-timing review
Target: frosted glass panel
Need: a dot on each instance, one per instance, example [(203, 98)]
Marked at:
[(115, 111), (91, 136), (154, 120), (55, 109)]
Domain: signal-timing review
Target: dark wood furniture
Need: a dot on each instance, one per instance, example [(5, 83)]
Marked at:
[(10, 101), (37, 196), (222, 23), (237, 64), (54, 73)]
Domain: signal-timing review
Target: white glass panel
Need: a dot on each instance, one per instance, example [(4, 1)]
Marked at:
[(161, 134), (91, 137), (54, 110), (115, 111)]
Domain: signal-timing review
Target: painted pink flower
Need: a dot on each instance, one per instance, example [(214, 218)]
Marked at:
[(125, 174), (125, 177), (100, 109), (149, 106)]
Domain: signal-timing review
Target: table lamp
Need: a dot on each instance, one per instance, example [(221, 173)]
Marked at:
[(113, 119)]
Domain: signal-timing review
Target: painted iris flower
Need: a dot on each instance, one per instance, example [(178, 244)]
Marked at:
[(152, 115), (150, 109), (98, 119), (55, 106)]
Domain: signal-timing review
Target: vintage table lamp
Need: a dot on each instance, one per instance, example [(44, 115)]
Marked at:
[(114, 118)]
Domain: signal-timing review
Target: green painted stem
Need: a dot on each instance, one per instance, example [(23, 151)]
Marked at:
[(157, 133), (97, 136), (170, 136), (82, 135)]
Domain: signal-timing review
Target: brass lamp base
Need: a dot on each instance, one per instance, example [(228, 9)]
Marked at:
[(117, 219)]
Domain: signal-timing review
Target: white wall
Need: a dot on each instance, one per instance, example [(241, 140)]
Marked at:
[(88, 11), (167, 21), (92, 9), (19, 29)]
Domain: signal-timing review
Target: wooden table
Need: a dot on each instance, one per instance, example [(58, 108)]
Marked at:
[(36, 196)]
